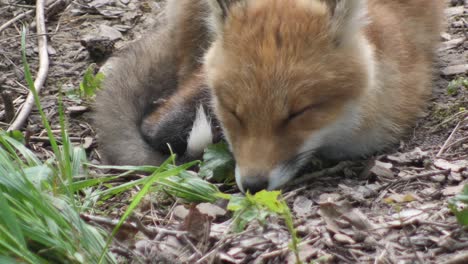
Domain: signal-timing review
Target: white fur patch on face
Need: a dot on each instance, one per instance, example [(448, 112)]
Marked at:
[(239, 179), (201, 135), (280, 175)]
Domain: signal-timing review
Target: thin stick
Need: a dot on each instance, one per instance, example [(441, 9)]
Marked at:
[(458, 259), (16, 18), (47, 139), (449, 139), (43, 67), (315, 175), (283, 250)]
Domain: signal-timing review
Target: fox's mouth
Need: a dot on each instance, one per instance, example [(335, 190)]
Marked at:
[(274, 179), (286, 171)]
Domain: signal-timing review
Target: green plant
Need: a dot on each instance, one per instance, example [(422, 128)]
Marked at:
[(91, 82), (459, 206), (88, 86), (258, 207), (38, 223), (456, 85), (41, 201), (39, 220), (218, 164)]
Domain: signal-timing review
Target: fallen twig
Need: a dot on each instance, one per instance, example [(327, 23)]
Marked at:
[(7, 103), (136, 225), (448, 120), (457, 142), (307, 177), (43, 67), (449, 139), (458, 259), (16, 18), (422, 175), (284, 250), (108, 222), (384, 188), (151, 232), (224, 239), (47, 139)]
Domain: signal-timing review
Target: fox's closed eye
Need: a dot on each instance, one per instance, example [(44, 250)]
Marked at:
[(303, 110), (235, 116)]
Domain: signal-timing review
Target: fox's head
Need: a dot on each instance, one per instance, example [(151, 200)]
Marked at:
[(285, 74)]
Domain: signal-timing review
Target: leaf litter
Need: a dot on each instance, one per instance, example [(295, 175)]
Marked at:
[(402, 207)]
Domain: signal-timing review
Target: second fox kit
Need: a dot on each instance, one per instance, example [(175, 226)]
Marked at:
[(285, 79)]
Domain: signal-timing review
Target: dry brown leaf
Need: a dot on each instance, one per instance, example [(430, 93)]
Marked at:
[(329, 212), (329, 197), (409, 157), (455, 166), (302, 206), (211, 210), (180, 212), (382, 169), (359, 220), (408, 216), (453, 190), (306, 253), (344, 239), (109, 32), (197, 224)]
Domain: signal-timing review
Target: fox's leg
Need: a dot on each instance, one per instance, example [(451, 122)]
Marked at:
[(183, 121), (150, 70), (178, 120), (190, 32)]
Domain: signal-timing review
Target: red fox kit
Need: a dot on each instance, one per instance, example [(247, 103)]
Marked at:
[(285, 79)]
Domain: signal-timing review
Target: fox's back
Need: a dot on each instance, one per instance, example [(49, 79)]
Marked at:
[(404, 34)]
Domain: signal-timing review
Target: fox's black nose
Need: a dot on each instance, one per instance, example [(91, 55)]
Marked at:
[(254, 184)]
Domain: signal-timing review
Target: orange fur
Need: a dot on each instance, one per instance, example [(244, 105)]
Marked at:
[(273, 59), (288, 78)]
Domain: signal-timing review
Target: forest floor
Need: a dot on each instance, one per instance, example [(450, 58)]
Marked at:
[(392, 208)]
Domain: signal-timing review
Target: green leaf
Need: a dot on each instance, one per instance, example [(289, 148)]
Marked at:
[(218, 163), (459, 206), (17, 135), (259, 207), (91, 83), (237, 203), (461, 215), (191, 188), (269, 199), (456, 85)]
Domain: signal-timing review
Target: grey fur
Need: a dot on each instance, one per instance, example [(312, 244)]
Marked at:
[(144, 73), (141, 74)]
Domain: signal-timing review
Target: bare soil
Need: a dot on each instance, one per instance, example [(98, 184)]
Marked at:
[(388, 209)]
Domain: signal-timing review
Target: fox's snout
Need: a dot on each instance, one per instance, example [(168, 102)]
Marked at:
[(253, 183), (252, 180)]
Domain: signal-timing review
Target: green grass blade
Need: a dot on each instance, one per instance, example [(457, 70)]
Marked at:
[(30, 82), (12, 145), (146, 187), (147, 169), (80, 185), (11, 223)]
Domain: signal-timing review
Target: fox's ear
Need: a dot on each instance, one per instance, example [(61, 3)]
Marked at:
[(219, 10), (348, 17)]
